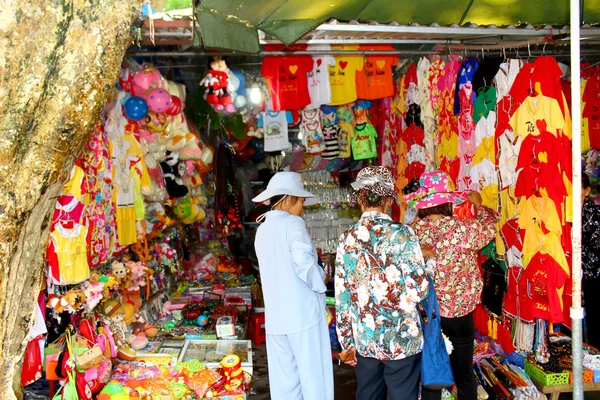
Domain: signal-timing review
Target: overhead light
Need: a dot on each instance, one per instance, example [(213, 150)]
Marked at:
[(255, 94)]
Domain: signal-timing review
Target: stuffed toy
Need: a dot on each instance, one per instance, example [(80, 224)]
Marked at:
[(93, 290), (188, 210), (174, 187), (216, 83), (145, 80)]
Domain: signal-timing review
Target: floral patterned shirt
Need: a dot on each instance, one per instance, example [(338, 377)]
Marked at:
[(379, 283), (590, 240), (458, 281)]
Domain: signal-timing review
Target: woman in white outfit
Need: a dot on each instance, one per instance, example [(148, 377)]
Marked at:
[(293, 284)]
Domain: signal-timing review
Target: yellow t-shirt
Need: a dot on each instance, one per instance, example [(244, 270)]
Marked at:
[(346, 135), (448, 147), (485, 151), (533, 211), (342, 78), (585, 132), (524, 120)]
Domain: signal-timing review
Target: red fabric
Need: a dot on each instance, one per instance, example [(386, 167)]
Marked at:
[(540, 158), (504, 339), (566, 89), (411, 75), (481, 318), (414, 170), (586, 72), (512, 234), (288, 84), (547, 73), (452, 168), (546, 277), (591, 110), (413, 135), (517, 301)]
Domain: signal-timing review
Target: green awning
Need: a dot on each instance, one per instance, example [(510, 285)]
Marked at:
[(233, 24)]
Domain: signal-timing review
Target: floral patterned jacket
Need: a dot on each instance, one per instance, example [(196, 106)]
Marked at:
[(590, 240), (458, 281), (380, 281)]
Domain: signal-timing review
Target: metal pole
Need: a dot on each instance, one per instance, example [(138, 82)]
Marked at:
[(576, 309)]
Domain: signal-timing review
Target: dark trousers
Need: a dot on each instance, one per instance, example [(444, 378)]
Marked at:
[(375, 378), (461, 332), (591, 295)]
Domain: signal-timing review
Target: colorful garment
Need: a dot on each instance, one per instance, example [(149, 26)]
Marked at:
[(311, 130), (380, 281), (458, 281), (363, 143)]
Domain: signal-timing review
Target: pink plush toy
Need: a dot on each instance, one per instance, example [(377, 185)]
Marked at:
[(145, 80)]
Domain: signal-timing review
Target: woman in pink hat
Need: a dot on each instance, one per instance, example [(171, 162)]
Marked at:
[(458, 282)]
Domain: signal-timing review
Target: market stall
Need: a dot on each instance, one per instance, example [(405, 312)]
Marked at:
[(152, 287)]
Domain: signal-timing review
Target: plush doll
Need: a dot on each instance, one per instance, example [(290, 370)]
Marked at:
[(216, 83), (174, 188), (93, 290), (188, 210)]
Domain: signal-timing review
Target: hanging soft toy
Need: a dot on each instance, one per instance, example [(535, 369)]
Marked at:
[(169, 167), (216, 83)]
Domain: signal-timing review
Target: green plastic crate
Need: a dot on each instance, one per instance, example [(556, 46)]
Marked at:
[(543, 378)]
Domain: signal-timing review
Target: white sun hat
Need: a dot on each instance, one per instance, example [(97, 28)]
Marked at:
[(286, 183)]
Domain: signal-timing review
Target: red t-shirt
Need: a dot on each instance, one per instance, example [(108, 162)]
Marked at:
[(518, 301), (545, 72), (288, 83), (592, 109), (546, 279), (540, 158)]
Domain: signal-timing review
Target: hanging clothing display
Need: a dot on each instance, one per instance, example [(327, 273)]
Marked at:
[(319, 87), (288, 81), (275, 125), (311, 130)]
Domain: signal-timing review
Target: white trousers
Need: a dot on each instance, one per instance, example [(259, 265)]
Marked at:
[(300, 365)]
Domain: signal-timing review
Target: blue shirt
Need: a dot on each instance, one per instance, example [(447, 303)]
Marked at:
[(380, 281)]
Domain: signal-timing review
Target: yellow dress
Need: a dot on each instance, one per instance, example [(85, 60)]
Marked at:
[(71, 250)]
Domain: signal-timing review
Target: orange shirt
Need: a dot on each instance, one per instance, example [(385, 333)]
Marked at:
[(374, 80)]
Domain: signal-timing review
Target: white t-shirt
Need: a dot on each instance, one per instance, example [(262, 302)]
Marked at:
[(506, 77), (276, 130), (508, 157), (319, 87), (482, 175), (312, 131), (485, 128)]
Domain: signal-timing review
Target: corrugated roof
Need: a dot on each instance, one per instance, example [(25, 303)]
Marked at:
[(180, 33)]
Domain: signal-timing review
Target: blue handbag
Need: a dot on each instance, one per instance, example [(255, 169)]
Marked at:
[(436, 371)]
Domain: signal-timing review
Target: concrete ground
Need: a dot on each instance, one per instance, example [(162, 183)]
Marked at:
[(344, 379)]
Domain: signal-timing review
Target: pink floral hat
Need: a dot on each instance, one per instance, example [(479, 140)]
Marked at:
[(435, 188)]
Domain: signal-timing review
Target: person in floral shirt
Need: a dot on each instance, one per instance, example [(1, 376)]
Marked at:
[(458, 280), (380, 281), (590, 260)]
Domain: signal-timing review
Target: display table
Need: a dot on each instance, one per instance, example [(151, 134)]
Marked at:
[(555, 390)]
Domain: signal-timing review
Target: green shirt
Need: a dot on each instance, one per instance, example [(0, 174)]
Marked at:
[(364, 144), (484, 103)]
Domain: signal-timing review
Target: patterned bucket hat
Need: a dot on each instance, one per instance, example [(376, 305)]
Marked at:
[(435, 188), (378, 180)]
